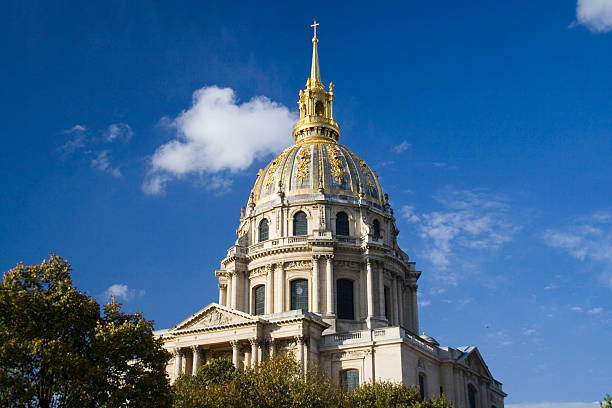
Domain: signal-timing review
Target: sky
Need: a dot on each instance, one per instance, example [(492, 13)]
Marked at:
[(133, 133)]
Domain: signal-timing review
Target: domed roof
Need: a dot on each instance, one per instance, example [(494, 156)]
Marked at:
[(318, 167)]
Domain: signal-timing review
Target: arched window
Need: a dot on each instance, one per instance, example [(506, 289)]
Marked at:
[(299, 294), (346, 307), (263, 230), (349, 379), (342, 224), (471, 396), (300, 224), (376, 229), (422, 386), (319, 109), (387, 303), (259, 297)]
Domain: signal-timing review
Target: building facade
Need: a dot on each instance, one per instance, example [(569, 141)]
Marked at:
[(316, 270)]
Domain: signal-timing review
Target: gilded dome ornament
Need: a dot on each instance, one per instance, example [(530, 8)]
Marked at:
[(335, 162), (301, 171)]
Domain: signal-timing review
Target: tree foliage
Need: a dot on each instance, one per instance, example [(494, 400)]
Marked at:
[(278, 383), (57, 351), (607, 402)]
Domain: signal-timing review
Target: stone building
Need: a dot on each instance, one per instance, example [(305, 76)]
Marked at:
[(316, 270)]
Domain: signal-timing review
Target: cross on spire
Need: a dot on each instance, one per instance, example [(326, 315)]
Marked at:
[(315, 28)]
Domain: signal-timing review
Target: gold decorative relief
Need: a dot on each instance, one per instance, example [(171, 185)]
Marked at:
[(334, 160), (301, 170), (273, 167)]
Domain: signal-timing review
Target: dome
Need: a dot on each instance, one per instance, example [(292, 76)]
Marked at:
[(317, 167)]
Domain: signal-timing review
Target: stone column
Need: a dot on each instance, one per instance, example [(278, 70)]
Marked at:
[(381, 291), (254, 354), (370, 288), (178, 362), (247, 358), (415, 308), (222, 294), (330, 285), (315, 284), (271, 348), (281, 288), (246, 305), (196, 359), (400, 302), (313, 348), (235, 351), (395, 302), (299, 340), (269, 290), (234, 289)]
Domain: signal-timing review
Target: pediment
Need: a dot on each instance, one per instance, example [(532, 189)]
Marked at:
[(473, 359), (213, 315)]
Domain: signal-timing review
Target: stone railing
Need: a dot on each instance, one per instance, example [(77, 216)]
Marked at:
[(347, 240), (278, 242)]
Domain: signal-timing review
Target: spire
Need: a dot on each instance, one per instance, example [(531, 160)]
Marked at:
[(315, 73)]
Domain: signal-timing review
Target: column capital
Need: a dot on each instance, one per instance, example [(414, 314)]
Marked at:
[(268, 268), (299, 339), (195, 349), (178, 351), (279, 265), (223, 286), (316, 256), (329, 257), (254, 341), (234, 343), (412, 286)]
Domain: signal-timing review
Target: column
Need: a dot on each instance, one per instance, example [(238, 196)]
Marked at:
[(381, 291), (281, 287), (247, 358), (246, 305), (400, 302), (228, 291), (394, 299), (370, 288), (269, 290), (234, 289), (196, 359), (315, 284), (415, 308), (299, 340), (254, 353), (313, 347), (235, 351), (330, 285), (178, 362), (222, 294), (272, 348)]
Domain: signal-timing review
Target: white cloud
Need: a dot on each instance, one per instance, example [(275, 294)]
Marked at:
[(102, 163), (402, 147), (122, 292), (468, 221), (554, 405), (76, 141), (576, 308), (118, 131), (595, 310), (218, 134), (588, 238), (529, 332), (596, 15), (424, 303)]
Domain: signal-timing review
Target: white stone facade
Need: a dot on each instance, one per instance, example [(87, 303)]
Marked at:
[(316, 270)]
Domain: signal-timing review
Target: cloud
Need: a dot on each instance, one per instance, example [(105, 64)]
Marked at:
[(122, 292), (424, 303), (118, 131), (439, 164), (588, 238), (76, 141), (529, 332), (468, 221), (402, 147), (554, 405), (596, 15), (102, 162), (217, 134), (595, 310)]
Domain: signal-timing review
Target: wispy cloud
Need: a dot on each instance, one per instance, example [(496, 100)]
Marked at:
[(102, 162), (402, 147), (554, 405), (439, 164), (468, 220), (596, 15), (118, 131), (122, 292), (218, 134), (76, 140), (588, 238)]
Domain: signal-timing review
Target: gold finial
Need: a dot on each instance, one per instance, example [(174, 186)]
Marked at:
[(113, 299), (315, 29)]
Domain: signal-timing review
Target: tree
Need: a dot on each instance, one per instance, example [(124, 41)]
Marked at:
[(57, 351), (607, 402)]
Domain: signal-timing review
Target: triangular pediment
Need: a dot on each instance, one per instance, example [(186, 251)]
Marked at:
[(473, 359), (214, 315)]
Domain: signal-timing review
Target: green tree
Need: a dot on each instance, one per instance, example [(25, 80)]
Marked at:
[(57, 351), (607, 402)]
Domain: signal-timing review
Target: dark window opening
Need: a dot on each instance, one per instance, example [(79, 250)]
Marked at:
[(349, 379), (342, 224), (422, 386), (259, 294), (387, 303), (472, 396), (299, 294), (376, 229), (319, 109), (300, 224), (263, 230), (346, 308)]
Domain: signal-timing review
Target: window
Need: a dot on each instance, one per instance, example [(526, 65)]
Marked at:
[(376, 229), (471, 396), (300, 224), (342, 224), (349, 379), (299, 294), (422, 385), (263, 230), (346, 308), (259, 296), (387, 303), (319, 109)]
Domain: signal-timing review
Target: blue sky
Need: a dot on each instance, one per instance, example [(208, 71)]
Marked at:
[(133, 133)]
